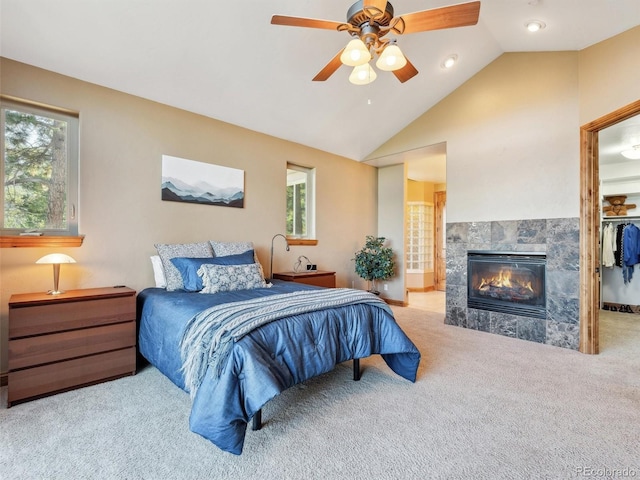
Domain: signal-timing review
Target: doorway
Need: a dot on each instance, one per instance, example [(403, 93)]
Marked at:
[(590, 225)]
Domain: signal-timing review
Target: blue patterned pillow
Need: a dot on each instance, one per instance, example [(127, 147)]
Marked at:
[(188, 267), (226, 278)]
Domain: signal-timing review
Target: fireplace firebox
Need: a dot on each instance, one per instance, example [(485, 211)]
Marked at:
[(508, 282)]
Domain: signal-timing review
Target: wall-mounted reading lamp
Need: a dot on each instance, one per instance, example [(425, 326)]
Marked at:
[(271, 262)]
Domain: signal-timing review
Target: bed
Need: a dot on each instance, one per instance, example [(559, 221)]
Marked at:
[(271, 356)]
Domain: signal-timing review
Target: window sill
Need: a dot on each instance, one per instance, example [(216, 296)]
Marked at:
[(301, 241), (20, 241)]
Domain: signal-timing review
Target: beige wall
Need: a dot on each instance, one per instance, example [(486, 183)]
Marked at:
[(122, 141), (512, 139), (512, 131), (609, 75)]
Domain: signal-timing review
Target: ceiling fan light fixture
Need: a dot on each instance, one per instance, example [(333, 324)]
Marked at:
[(535, 25), (363, 75), (633, 153), (355, 53), (391, 59)]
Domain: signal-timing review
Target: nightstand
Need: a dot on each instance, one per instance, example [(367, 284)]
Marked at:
[(77, 338), (312, 277)]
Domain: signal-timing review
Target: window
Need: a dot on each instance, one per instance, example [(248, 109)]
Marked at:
[(300, 201), (39, 168), (419, 237)]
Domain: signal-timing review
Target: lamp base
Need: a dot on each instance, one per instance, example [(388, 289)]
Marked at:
[(55, 292)]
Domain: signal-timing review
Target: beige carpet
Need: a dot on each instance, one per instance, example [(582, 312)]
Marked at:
[(484, 406)]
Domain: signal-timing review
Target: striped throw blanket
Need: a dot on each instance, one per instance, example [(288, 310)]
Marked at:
[(209, 335)]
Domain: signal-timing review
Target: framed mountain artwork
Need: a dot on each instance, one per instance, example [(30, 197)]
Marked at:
[(204, 183)]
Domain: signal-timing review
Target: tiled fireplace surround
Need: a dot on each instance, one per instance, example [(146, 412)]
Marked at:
[(559, 238)]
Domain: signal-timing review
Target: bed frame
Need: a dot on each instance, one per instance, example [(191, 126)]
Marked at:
[(256, 423)]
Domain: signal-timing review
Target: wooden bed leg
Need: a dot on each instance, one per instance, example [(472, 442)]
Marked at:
[(257, 421), (356, 369)]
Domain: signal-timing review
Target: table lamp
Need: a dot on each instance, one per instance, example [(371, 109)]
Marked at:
[(56, 259)]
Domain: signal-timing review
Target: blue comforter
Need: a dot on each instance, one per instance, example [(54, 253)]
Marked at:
[(268, 360)]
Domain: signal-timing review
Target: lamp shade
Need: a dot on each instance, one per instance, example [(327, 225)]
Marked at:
[(391, 59), (56, 258), (355, 53), (363, 75)]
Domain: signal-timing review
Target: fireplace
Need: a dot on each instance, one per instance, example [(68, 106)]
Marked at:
[(508, 282)]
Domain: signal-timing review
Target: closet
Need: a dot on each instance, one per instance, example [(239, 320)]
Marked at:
[(619, 206), (620, 262)]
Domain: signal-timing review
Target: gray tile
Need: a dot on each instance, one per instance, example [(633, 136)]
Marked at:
[(558, 238), (563, 230), (563, 310), (563, 335), (479, 232), (457, 265), (532, 231), (563, 256), (456, 295), (479, 320), (532, 329), (457, 232), (456, 316), (504, 324), (565, 284), (504, 232)]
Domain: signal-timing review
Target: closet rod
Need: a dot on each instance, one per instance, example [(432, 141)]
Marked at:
[(620, 219)]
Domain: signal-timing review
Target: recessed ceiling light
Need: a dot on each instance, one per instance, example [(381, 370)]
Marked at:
[(450, 61), (535, 25)]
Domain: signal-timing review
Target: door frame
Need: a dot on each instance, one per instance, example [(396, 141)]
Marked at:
[(440, 270), (590, 225)]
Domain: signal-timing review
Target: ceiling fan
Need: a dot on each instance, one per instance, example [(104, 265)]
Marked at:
[(368, 21)]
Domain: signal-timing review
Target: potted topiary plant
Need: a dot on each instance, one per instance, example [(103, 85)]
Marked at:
[(374, 262)]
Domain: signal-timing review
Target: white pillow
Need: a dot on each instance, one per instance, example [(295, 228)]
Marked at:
[(223, 249), (158, 272)]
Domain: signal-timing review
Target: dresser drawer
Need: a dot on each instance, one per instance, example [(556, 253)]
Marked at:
[(60, 376), (39, 319), (320, 281), (30, 351)]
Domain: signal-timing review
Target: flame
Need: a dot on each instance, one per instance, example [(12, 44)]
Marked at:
[(503, 280)]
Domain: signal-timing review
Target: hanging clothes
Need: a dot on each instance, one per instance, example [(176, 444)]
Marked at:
[(617, 252), (608, 245), (630, 250)]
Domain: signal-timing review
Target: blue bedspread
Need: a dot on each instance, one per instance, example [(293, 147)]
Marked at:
[(268, 360)]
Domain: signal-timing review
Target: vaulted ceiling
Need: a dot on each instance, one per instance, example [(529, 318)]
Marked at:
[(227, 61)]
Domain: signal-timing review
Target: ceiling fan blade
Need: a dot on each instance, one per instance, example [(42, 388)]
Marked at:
[(460, 15), (305, 22), (329, 68), (406, 73)]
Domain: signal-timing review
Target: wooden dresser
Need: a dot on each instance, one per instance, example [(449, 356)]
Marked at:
[(77, 338), (314, 277)]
